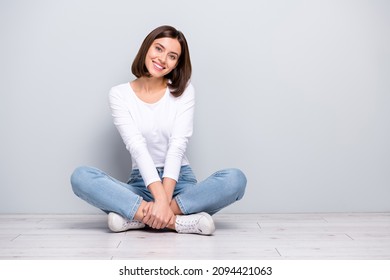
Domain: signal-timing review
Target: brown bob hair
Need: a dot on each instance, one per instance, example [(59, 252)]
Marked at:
[(180, 76)]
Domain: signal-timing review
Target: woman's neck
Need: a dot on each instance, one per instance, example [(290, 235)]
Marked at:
[(149, 90), (151, 85)]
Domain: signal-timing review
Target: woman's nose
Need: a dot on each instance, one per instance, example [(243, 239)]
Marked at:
[(162, 58)]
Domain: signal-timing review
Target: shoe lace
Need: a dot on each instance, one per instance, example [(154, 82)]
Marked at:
[(188, 225)]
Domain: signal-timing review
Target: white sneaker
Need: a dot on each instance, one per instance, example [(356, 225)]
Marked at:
[(200, 223), (117, 223)]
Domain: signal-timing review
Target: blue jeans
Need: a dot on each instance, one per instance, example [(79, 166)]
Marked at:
[(110, 195)]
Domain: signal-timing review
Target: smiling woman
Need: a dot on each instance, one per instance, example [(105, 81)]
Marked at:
[(161, 59), (154, 116), (162, 55), (165, 40)]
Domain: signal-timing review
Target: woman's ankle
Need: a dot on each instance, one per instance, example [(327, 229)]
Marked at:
[(175, 208), (172, 223), (139, 215)]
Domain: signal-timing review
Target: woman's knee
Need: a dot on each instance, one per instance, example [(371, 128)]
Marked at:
[(237, 181), (80, 177)]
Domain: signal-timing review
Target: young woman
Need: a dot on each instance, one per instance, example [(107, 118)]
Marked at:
[(154, 116)]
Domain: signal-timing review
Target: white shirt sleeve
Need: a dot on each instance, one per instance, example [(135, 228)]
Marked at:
[(132, 137), (182, 131)]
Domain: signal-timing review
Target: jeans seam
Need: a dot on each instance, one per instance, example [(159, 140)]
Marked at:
[(135, 208), (181, 206)]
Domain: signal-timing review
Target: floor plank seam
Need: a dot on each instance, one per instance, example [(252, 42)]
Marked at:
[(15, 238), (349, 236), (278, 252)]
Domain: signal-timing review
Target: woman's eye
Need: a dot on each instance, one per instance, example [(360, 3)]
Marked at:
[(173, 57), (158, 49)]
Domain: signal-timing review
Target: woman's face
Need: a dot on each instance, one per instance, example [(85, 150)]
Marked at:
[(162, 56)]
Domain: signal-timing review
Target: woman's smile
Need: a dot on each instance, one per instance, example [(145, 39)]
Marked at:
[(158, 66), (162, 56)]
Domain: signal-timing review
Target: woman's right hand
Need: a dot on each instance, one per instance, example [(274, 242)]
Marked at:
[(157, 215)]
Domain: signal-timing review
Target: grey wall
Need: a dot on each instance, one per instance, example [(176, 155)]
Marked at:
[(295, 93)]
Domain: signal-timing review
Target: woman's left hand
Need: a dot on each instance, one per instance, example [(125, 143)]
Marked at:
[(157, 214), (160, 212)]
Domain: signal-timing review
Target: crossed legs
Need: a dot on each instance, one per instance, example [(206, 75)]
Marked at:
[(190, 204)]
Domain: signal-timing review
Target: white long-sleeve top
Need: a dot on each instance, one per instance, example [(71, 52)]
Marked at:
[(156, 135)]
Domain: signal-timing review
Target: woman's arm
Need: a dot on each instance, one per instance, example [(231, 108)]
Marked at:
[(134, 141), (169, 187), (159, 213), (181, 133)]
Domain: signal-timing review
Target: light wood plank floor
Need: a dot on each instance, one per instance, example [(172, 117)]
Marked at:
[(238, 236)]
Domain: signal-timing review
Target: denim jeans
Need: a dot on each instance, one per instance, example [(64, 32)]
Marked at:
[(110, 195)]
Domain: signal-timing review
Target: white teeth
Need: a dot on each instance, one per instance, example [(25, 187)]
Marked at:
[(158, 66)]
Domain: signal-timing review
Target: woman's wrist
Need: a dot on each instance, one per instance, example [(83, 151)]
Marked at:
[(158, 192), (169, 187)]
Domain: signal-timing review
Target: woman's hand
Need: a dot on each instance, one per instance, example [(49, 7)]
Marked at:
[(157, 214)]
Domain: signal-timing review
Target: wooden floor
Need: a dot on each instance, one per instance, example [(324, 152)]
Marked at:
[(238, 236)]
